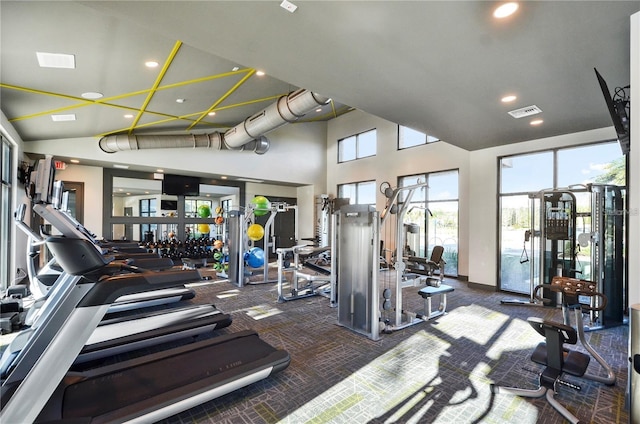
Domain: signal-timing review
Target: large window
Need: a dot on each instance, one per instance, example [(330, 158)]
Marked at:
[(357, 146), (434, 209), (6, 160), (522, 176), (408, 137), (363, 193)]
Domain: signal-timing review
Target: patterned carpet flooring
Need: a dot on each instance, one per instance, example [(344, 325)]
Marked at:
[(437, 371)]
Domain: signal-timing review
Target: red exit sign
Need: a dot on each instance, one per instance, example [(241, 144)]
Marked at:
[(60, 165)]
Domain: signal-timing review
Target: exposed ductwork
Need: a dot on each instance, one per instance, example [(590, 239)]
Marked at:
[(249, 134), (118, 143)]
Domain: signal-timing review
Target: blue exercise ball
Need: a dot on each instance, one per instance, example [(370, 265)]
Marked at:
[(255, 257)]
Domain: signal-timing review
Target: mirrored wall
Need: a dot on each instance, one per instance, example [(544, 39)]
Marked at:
[(138, 208)]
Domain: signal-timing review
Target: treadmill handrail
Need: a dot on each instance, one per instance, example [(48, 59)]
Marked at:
[(112, 288)]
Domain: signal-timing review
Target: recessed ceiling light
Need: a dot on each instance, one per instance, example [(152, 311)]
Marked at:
[(508, 99), (180, 100), (319, 109), (56, 60), (128, 116), (117, 165), (159, 170), (211, 114), (235, 68), (223, 177), (504, 10), (151, 64), (63, 118), (536, 122), (260, 73), (92, 95), (74, 161)]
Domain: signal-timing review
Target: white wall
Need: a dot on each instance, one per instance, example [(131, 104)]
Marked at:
[(390, 163), (287, 160)]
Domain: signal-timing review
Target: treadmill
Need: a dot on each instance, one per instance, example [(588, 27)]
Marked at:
[(132, 330), (41, 282), (45, 385), (62, 220)]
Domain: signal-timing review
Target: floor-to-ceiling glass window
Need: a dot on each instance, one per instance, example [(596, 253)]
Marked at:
[(6, 160), (521, 176), (434, 210)]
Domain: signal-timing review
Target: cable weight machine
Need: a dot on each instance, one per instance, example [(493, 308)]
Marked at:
[(556, 242), (364, 306)]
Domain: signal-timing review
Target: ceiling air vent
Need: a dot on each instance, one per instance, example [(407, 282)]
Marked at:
[(525, 111)]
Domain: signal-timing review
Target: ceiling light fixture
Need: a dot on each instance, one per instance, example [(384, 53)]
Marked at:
[(211, 114), (64, 117), (151, 64), (74, 161), (56, 60), (288, 6), (319, 109), (128, 116), (508, 99), (504, 10), (92, 95), (260, 73), (235, 68), (536, 122), (180, 100), (159, 170), (117, 165), (224, 177)]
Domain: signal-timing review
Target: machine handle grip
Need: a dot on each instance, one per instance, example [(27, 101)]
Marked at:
[(573, 287)]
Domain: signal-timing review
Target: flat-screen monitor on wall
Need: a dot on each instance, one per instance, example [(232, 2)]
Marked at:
[(618, 105), (179, 185), (169, 205)]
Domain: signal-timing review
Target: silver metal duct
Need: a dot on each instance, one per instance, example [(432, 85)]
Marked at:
[(287, 109), (118, 143)]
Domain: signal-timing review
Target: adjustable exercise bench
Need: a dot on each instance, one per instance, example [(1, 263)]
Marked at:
[(430, 291)]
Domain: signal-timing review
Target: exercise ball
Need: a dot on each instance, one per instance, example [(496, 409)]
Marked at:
[(218, 244), (217, 256), (255, 232), (219, 220), (204, 211), (203, 228), (261, 205), (255, 257)]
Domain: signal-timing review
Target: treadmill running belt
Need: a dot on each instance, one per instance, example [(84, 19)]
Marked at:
[(115, 391)]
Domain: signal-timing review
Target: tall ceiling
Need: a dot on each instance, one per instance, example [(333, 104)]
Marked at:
[(440, 67)]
